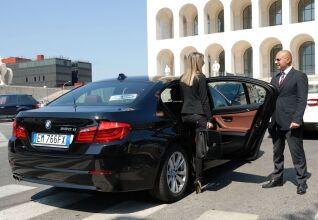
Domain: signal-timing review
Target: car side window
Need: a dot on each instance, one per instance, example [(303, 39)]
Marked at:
[(172, 99), (227, 93), (26, 100), (12, 100), (3, 100), (256, 93)]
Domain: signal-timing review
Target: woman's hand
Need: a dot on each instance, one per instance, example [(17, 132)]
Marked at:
[(209, 125)]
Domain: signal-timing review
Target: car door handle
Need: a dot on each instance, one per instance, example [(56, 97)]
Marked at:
[(227, 119)]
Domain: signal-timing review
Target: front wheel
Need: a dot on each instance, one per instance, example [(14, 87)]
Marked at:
[(173, 177)]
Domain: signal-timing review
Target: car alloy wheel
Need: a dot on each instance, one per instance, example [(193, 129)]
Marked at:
[(176, 172)]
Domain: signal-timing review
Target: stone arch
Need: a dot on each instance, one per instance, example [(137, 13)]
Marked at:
[(211, 54), (211, 12), (164, 24), (238, 50), (295, 44), (265, 59), (165, 58), (237, 8), (188, 15)]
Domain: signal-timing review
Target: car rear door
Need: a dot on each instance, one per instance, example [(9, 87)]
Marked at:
[(241, 111), (10, 105)]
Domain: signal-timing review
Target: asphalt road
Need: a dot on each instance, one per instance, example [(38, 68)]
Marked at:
[(232, 191)]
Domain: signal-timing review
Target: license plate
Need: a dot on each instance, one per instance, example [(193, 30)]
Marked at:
[(52, 140)]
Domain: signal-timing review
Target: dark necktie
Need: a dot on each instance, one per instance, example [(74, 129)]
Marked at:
[(281, 79)]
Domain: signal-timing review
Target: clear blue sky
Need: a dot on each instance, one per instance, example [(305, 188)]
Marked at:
[(111, 34)]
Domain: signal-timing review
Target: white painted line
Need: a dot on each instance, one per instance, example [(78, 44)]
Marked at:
[(13, 189), (216, 215), (41, 206), (128, 209), (2, 137)]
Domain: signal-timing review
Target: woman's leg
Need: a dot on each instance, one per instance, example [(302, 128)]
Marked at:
[(200, 123)]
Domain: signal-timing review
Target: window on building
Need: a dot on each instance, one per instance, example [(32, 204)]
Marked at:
[(307, 57), (220, 22), (196, 26), (275, 13), (208, 19), (26, 79), (43, 77), (273, 53), (222, 63), (248, 62), (306, 10), (247, 17), (185, 33), (34, 79)]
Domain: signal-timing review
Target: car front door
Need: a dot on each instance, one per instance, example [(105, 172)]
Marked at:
[(241, 111)]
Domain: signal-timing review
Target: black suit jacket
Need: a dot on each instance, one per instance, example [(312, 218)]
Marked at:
[(195, 97), (291, 101)]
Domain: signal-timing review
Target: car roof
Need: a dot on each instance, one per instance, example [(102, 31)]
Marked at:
[(153, 79)]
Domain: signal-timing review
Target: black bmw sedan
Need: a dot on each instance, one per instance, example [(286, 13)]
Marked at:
[(126, 134)]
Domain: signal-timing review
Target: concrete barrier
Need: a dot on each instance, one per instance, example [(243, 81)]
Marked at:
[(39, 93)]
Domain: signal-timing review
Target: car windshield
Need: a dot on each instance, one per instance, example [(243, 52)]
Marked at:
[(108, 93)]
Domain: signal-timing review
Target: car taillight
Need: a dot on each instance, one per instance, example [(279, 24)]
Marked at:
[(105, 132), (18, 131), (39, 105), (312, 102)]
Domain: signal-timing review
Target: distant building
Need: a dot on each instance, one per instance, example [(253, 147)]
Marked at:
[(51, 72)]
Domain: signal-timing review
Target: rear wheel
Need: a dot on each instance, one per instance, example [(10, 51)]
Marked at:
[(173, 177)]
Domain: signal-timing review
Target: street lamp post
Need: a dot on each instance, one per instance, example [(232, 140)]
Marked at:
[(46, 98), (64, 86)]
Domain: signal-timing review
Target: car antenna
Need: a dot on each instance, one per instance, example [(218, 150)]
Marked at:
[(121, 76)]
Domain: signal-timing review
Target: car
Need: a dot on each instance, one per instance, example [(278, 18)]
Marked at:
[(126, 134), (311, 112), (12, 104)]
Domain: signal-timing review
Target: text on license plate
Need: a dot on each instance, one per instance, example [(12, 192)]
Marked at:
[(52, 139)]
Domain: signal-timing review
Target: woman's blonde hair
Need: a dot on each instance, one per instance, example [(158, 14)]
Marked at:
[(195, 61)]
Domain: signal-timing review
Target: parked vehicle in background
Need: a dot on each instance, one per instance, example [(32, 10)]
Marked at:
[(126, 134), (311, 112), (12, 104)]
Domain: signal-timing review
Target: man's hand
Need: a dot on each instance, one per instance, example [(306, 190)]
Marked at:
[(294, 125)]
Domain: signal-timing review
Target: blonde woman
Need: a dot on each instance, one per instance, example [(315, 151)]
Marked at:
[(196, 109)]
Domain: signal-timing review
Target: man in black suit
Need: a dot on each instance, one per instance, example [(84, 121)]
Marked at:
[(287, 121)]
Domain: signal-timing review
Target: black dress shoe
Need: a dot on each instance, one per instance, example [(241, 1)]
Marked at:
[(273, 183), (301, 188)]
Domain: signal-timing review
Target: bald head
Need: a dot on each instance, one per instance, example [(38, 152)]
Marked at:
[(283, 59)]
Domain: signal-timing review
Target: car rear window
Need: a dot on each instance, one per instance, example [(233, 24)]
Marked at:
[(104, 94)]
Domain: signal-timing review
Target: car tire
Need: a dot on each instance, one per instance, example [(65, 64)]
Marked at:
[(173, 176)]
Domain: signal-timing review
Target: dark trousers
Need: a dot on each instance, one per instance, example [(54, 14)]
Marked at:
[(294, 139), (200, 123)]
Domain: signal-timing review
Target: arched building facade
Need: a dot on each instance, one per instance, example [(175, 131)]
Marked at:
[(242, 35)]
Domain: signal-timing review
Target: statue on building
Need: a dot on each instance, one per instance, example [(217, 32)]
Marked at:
[(167, 70), (4, 70), (215, 68)]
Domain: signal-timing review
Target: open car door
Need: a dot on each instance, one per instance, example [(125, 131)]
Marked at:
[(241, 111)]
